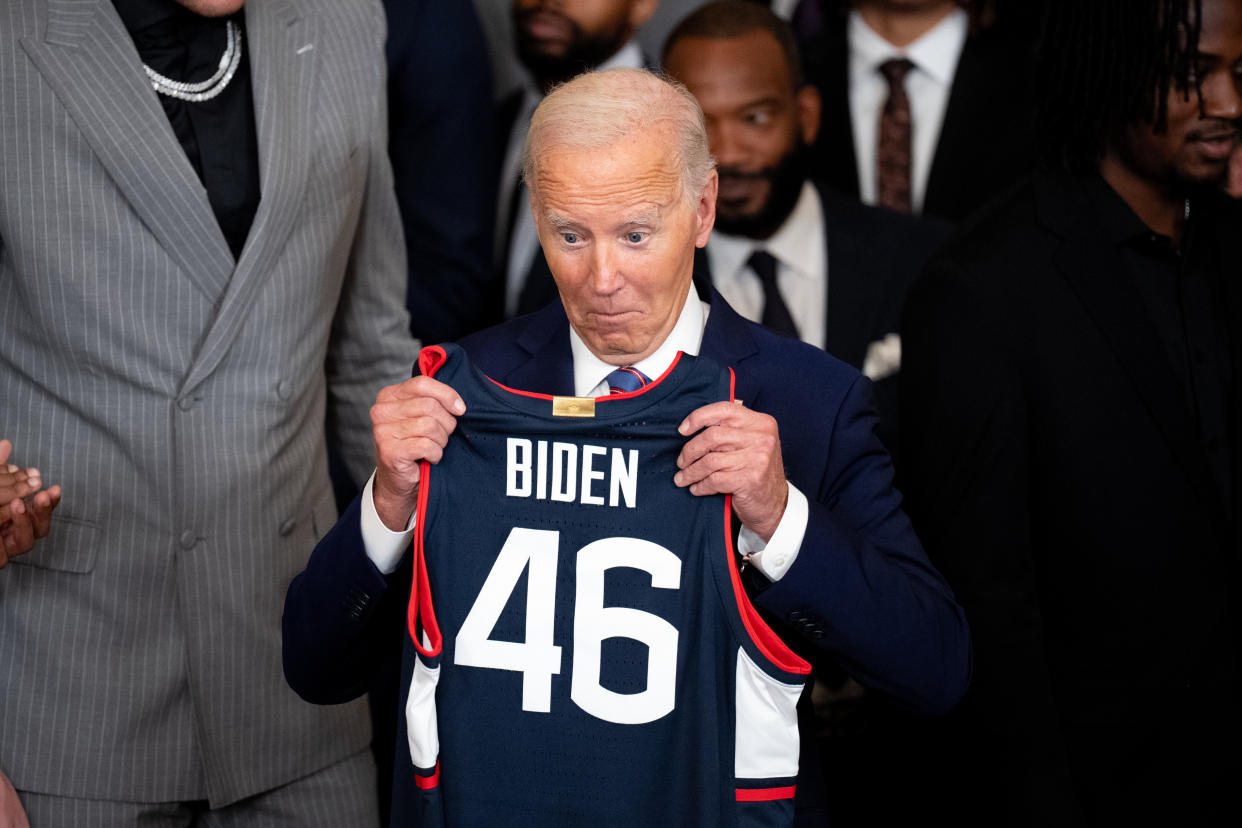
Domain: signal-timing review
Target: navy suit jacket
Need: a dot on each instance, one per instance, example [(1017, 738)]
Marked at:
[(861, 588)]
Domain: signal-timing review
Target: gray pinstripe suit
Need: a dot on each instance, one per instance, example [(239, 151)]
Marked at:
[(181, 399)]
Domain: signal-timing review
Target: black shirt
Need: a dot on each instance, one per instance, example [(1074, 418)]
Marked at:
[(218, 135), (1181, 288)]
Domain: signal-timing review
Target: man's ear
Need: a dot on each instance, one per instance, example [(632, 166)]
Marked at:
[(705, 210), (809, 106)]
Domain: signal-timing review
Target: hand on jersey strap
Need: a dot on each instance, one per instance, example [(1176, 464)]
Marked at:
[(411, 422), (736, 451)]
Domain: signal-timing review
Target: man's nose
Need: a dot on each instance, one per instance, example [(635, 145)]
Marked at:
[(726, 145), (1222, 96), (605, 268)]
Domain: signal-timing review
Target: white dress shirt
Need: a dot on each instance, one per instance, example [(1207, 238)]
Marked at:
[(524, 241), (928, 84), (801, 253), (385, 548)]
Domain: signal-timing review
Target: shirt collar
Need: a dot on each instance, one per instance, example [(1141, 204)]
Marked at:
[(798, 243), (935, 53), (687, 336), (1121, 223)]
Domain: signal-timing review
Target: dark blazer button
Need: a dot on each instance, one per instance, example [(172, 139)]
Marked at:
[(286, 528)]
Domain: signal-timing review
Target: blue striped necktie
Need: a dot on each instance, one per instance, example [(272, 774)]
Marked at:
[(624, 380)]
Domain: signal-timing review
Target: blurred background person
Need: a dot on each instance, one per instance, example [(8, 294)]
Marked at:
[(926, 102), (1071, 437)]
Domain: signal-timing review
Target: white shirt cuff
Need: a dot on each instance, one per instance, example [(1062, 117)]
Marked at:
[(383, 546), (774, 558)]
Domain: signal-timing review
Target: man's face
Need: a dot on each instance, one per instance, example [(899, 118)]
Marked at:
[(557, 39), (212, 8), (619, 237), (757, 125), (1194, 150)]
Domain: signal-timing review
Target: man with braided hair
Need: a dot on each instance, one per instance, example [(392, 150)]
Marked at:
[(1071, 421)]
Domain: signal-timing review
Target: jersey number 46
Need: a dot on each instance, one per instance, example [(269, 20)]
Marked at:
[(537, 658)]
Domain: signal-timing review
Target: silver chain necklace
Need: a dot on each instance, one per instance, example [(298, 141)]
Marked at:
[(213, 86)]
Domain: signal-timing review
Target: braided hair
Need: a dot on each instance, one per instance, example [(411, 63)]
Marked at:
[(1105, 65)]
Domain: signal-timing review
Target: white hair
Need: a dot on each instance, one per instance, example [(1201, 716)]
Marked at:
[(598, 109)]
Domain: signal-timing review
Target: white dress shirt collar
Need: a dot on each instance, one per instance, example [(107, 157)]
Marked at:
[(590, 372), (935, 53), (802, 272), (798, 243)]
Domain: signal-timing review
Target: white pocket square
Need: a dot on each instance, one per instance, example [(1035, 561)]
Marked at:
[(883, 358)]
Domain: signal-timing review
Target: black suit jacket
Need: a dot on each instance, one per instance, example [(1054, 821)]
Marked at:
[(873, 256), (986, 142), (440, 141), (1055, 472)]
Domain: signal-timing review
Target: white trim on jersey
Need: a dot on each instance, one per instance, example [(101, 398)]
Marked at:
[(766, 744), (422, 726)]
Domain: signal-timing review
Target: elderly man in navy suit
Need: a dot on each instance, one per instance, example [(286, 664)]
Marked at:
[(623, 191)]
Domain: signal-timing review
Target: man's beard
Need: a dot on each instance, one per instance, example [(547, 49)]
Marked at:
[(584, 53), (785, 181)]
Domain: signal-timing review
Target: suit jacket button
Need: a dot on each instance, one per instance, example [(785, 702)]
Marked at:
[(185, 403), (286, 528), (188, 539), (284, 389)]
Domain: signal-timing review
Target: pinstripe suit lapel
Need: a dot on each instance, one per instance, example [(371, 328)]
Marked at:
[(283, 74), (88, 59)]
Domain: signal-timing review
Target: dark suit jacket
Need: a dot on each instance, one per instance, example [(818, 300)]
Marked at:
[(440, 139), (873, 256), (860, 588), (986, 142), (1055, 472)]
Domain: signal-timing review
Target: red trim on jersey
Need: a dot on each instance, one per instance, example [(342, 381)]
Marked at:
[(762, 794), (768, 642), (421, 611), (426, 783), (430, 360), (624, 396)]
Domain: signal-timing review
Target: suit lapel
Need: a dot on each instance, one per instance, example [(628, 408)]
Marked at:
[(728, 341), (966, 109), (283, 76), (1097, 275), (852, 259), (836, 137), (545, 363), (89, 60)]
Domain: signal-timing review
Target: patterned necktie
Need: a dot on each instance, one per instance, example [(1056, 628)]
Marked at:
[(625, 380), (776, 316), (893, 157)]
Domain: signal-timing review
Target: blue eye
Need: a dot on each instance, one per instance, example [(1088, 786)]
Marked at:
[(570, 238), (635, 237)]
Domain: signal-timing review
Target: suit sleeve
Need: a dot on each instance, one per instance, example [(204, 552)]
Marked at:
[(371, 344), (440, 142), (343, 619), (861, 586), (964, 423)]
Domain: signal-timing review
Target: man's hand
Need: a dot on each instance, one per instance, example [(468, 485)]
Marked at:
[(11, 813), (738, 452), (25, 511), (1233, 185), (411, 422)]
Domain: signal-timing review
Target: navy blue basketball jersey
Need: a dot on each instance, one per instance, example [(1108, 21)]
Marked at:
[(586, 654)]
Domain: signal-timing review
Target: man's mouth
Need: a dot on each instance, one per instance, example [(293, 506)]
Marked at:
[(1217, 143), (545, 25)]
